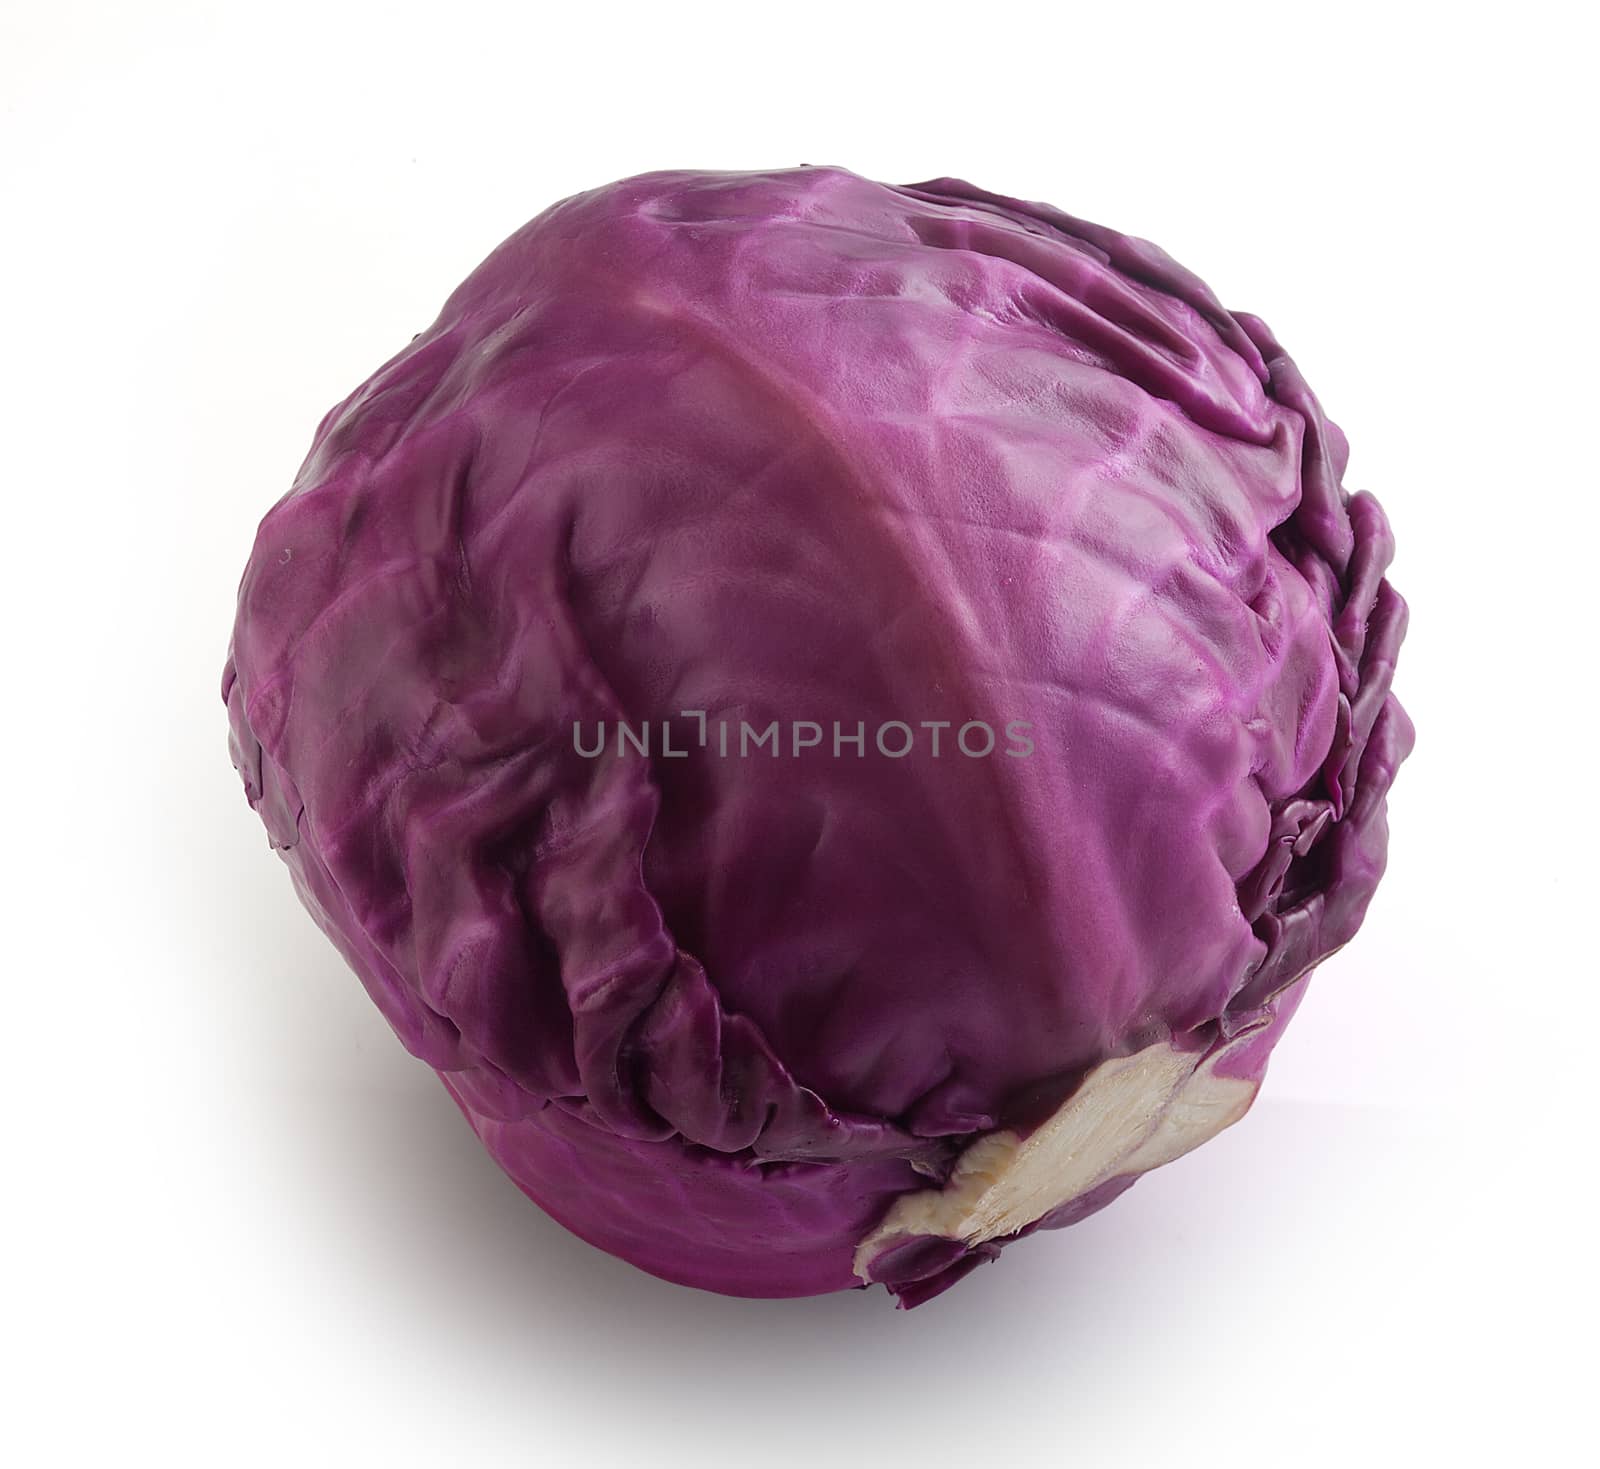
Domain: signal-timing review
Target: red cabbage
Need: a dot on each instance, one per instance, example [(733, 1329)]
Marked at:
[(698, 458)]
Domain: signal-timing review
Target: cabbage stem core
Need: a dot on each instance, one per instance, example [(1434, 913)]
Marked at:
[(1131, 1114)]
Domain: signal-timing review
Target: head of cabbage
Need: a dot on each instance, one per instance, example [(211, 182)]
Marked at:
[(838, 719)]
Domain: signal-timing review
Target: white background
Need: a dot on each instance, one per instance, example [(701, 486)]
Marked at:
[(242, 1227)]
